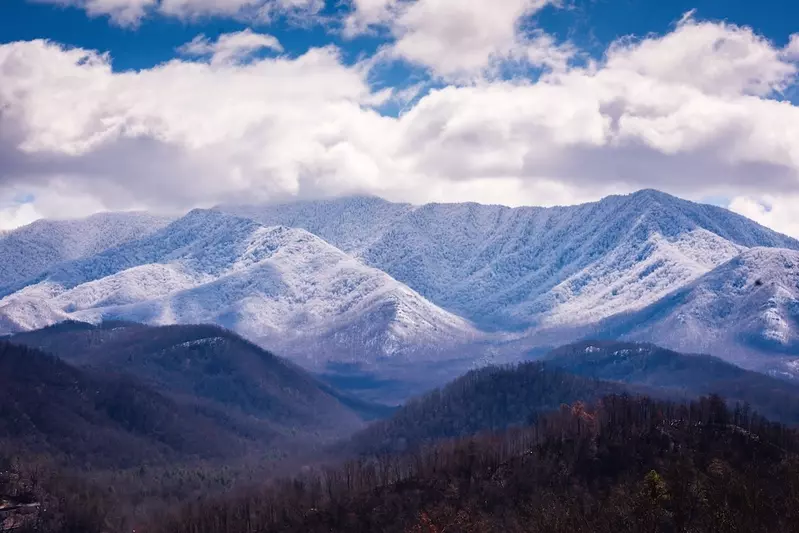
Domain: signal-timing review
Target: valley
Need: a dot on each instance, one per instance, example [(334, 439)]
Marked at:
[(355, 347)]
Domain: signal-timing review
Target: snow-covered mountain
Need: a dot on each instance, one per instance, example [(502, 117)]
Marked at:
[(31, 249), (515, 268), (409, 281), (284, 288), (741, 310)]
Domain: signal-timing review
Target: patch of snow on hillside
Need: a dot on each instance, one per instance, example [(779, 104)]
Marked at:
[(210, 341)]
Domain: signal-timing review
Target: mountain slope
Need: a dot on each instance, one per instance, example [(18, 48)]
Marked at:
[(352, 224), (687, 375), (489, 399), (740, 311), (505, 267), (205, 365), (624, 465), (282, 287), (31, 249), (49, 406)]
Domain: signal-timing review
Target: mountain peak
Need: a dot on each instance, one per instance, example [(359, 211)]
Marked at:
[(653, 194), (279, 285)]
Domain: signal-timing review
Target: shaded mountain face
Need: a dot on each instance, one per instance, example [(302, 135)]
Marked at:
[(282, 287), (489, 399), (87, 418), (211, 367), (741, 310), (31, 249), (679, 374), (506, 268)]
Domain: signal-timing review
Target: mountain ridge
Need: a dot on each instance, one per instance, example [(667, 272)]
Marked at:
[(48, 242), (686, 375), (529, 266), (275, 285), (51, 406), (406, 283), (207, 367), (747, 305)]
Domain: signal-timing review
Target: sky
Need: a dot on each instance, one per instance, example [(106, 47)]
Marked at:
[(168, 105)]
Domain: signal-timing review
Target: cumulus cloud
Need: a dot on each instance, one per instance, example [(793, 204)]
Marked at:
[(13, 216), (716, 58), (459, 39), (231, 47), (131, 12), (123, 12), (261, 10), (367, 15), (791, 50), (195, 133), (771, 211)]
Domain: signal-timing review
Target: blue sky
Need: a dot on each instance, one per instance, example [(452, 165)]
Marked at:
[(510, 101), (592, 24)]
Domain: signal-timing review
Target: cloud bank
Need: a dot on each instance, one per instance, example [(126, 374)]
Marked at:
[(696, 112)]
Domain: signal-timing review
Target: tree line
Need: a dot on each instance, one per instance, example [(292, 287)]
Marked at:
[(622, 464)]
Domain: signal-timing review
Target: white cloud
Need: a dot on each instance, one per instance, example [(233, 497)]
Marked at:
[(192, 133), (185, 133), (791, 50), (779, 213), (459, 36), (231, 47), (14, 216), (131, 12), (366, 14), (459, 39), (262, 10), (717, 58), (123, 12), (59, 199)]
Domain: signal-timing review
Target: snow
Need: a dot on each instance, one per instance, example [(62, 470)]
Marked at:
[(275, 285), (31, 249), (23, 314), (744, 309), (208, 341), (397, 280), (530, 266), (633, 276)]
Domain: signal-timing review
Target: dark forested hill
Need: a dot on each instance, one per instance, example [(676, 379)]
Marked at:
[(623, 465), (490, 399), (683, 375), (48, 406), (208, 365)]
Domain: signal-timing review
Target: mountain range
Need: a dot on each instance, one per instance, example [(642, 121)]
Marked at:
[(657, 371), (279, 286), (530, 266), (374, 284), (120, 394), (495, 398), (31, 249)]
